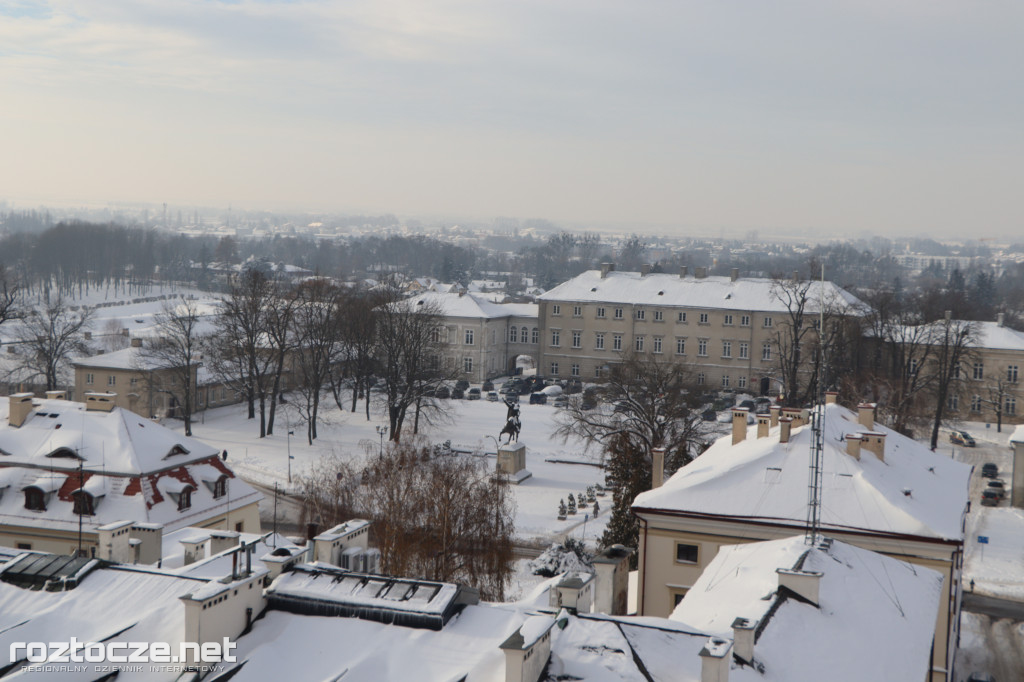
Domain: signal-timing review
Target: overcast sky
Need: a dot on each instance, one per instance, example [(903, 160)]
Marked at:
[(888, 116)]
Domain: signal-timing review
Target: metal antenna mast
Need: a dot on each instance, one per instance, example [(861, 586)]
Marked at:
[(813, 532)]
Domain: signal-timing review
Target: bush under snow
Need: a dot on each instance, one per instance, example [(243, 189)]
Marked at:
[(561, 558)]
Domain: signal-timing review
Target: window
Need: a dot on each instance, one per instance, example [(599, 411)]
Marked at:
[(767, 321), (703, 318), (639, 344), (744, 350), (597, 372), (741, 382), (657, 344), (702, 347), (677, 596), (83, 503), (599, 341), (35, 499), (220, 487), (467, 365), (111, 380), (687, 554), (24, 545), (577, 339), (185, 498), (744, 320), (1011, 374), (640, 313), (659, 316), (726, 349), (975, 403), (523, 336), (574, 369), (618, 313), (766, 351), (953, 403), (512, 334), (700, 378), (728, 320), (913, 366), (616, 341), (556, 309), (133, 382), (577, 311), (680, 346), (956, 371), (681, 318), (979, 370), (534, 335), (725, 381), (600, 312), (239, 528), (1010, 406), (89, 378), (556, 337), (469, 337), (554, 369)]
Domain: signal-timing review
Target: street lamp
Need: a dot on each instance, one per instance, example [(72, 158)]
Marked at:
[(381, 430), (496, 444), (290, 458)]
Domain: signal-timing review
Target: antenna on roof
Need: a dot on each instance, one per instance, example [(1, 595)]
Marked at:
[(813, 532)]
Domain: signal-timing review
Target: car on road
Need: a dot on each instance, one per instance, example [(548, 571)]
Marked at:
[(998, 486), (488, 385), (989, 470), (990, 498), (462, 384), (474, 394), (492, 396), (961, 438), (538, 399), (749, 404), (709, 415), (443, 392), (561, 401), (458, 394)]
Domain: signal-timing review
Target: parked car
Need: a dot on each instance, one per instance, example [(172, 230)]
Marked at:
[(961, 438), (561, 401), (749, 404), (474, 394), (990, 498), (493, 396), (709, 415), (989, 470), (462, 384), (512, 398), (762, 403), (458, 394), (981, 677), (443, 392), (506, 388), (538, 399), (998, 486), (573, 386), (488, 385)]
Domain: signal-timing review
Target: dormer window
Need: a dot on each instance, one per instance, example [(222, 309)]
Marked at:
[(85, 504), (185, 498), (220, 487), (176, 450), (64, 453), (35, 499)]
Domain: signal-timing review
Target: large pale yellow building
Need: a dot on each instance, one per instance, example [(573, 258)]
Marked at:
[(880, 491)]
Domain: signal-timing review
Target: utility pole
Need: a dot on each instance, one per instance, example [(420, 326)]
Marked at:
[(813, 532), (81, 501)]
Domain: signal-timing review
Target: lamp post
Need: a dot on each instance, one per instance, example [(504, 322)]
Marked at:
[(290, 434), (496, 444), (381, 430)]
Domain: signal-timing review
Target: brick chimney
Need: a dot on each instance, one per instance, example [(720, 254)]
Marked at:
[(700, 273), (785, 426), (796, 275), (657, 467), (866, 415), (1000, 319), (773, 411), (99, 402), (56, 395), (606, 268), (872, 441), (136, 342), (20, 408), (853, 445), (763, 425), (830, 397), (804, 583), (739, 424), (794, 413), (734, 274)]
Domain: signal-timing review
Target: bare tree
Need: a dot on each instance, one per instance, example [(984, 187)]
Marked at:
[(317, 322), (174, 356), (281, 341), (53, 335), (1001, 385), (10, 302), (359, 334), (953, 340)]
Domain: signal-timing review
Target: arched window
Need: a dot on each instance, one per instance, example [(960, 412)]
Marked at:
[(185, 498), (512, 334), (85, 504), (524, 335), (35, 499), (220, 487)]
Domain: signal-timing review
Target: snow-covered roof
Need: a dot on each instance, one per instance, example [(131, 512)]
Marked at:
[(993, 336), (867, 602), (473, 305), (1018, 434), (132, 358), (912, 492), (660, 289)]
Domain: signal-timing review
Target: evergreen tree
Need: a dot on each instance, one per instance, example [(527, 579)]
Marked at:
[(562, 512), (597, 508), (572, 504), (628, 474)]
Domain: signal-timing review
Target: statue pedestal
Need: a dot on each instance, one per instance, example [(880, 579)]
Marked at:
[(512, 462)]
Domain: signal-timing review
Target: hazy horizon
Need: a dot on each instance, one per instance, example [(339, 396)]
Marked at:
[(892, 118)]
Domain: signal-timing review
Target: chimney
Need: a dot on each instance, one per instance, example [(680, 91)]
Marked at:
[(774, 410), (763, 425), (87, 335), (56, 395), (528, 650), (743, 639), (606, 268), (734, 274), (657, 467), (136, 342), (948, 315), (872, 441), (1000, 319), (20, 407), (853, 445), (715, 660), (312, 530), (700, 273), (645, 269), (683, 271), (612, 567), (99, 402), (830, 397), (785, 425), (803, 583), (125, 332), (795, 414), (739, 424), (10, 349), (796, 275), (866, 415)]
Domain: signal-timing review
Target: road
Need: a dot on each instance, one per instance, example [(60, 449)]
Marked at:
[(993, 606)]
